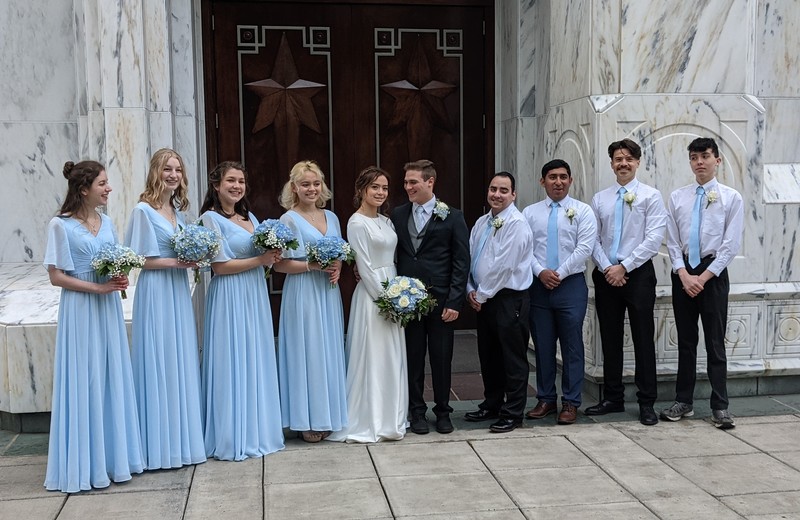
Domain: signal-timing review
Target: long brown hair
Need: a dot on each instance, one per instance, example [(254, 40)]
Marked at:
[(364, 179), (241, 208), (155, 185), (79, 176)]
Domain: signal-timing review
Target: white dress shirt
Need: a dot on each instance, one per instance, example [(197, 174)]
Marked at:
[(720, 228), (644, 224), (505, 262), (576, 236)]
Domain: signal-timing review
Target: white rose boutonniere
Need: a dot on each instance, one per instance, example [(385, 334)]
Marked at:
[(570, 213), (711, 198), (441, 210), (497, 223), (629, 197)]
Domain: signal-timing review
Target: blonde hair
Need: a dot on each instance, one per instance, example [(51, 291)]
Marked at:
[(288, 198), (155, 186)]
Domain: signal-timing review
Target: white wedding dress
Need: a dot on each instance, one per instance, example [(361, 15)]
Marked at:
[(377, 381)]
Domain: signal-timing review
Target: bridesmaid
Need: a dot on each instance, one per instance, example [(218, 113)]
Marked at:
[(166, 368), (240, 379), (311, 336), (94, 431)]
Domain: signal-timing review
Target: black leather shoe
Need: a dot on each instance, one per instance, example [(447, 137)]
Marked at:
[(505, 425), (647, 415), (443, 424), (419, 425), (604, 407), (480, 415)]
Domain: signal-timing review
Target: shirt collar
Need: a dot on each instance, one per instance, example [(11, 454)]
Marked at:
[(631, 186), (709, 186), (562, 203), (427, 207)]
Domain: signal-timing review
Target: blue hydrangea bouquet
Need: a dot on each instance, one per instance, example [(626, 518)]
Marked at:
[(195, 243), (327, 250), (404, 299), (273, 234), (115, 260)]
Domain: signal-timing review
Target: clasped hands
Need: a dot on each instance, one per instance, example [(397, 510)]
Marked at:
[(616, 275)]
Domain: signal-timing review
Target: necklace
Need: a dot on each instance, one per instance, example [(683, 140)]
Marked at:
[(311, 216), (169, 215), (92, 227)]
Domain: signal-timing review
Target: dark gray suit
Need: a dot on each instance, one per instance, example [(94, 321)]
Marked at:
[(439, 256)]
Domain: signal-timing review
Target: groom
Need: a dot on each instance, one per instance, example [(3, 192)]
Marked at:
[(433, 246)]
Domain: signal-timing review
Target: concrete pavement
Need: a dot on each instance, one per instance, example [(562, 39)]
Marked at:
[(609, 467)]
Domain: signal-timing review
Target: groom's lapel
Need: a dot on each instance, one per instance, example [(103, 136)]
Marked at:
[(402, 226), (432, 223)]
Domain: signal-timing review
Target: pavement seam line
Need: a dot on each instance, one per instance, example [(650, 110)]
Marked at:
[(380, 481), (488, 469)]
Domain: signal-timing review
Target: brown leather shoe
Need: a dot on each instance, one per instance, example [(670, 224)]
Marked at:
[(541, 410), (568, 415)]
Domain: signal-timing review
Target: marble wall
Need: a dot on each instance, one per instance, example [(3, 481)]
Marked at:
[(663, 73)]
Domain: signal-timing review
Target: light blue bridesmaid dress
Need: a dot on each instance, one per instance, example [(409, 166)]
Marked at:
[(166, 366), (240, 379), (94, 430), (311, 366)]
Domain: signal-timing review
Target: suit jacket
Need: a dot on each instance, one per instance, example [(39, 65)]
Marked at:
[(442, 260)]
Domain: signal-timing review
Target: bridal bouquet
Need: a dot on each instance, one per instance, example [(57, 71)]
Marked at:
[(198, 244), (327, 250), (115, 260), (273, 234), (404, 299)]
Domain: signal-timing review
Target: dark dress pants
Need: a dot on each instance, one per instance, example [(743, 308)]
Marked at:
[(711, 306), (638, 297), (433, 336), (557, 316), (503, 347)]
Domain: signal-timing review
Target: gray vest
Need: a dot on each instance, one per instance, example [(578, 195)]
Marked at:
[(416, 236)]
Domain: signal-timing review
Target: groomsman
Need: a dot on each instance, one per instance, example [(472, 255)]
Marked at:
[(631, 222), (704, 234), (564, 233), (500, 275), (433, 246)]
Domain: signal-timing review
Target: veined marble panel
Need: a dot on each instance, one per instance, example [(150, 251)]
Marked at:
[(783, 322), (186, 132), (571, 45), (32, 160), (122, 54), (777, 40), (782, 243), (528, 162), (782, 183), (570, 135), (506, 84), (38, 50), (30, 353), (187, 78), (781, 139), (161, 131), (5, 399), (156, 21), (534, 58), (607, 51), (505, 157), (686, 47), (126, 144)]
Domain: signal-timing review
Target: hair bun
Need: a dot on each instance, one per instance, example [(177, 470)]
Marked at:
[(68, 166)]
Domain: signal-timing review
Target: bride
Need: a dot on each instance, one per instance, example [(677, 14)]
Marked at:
[(377, 385)]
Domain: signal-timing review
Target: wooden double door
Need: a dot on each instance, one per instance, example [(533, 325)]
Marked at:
[(348, 85)]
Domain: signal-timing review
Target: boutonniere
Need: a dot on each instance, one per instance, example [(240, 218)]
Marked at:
[(497, 223), (629, 197), (711, 198), (441, 210), (570, 213)]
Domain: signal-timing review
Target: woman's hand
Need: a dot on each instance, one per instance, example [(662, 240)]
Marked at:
[(118, 283), (334, 271), (270, 257)]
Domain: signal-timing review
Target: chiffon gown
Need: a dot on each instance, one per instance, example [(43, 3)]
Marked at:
[(311, 367), (377, 381), (239, 376), (94, 430), (164, 353)]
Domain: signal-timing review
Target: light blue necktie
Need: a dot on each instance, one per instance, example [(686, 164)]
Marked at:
[(694, 229), (552, 237), (481, 245), (419, 218), (618, 218)]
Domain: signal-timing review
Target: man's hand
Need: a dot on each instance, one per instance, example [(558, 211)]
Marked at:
[(693, 285), (549, 279), (473, 302), (615, 275), (449, 315)]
